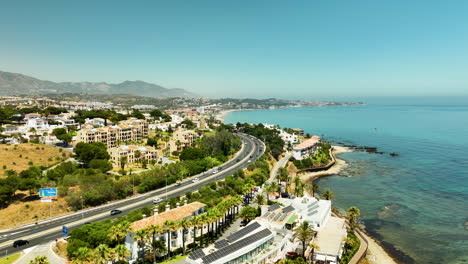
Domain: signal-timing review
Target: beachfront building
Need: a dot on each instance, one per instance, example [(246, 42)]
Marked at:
[(307, 148), (330, 242), (158, 219), (128, 130), (289, 139), (269, 238), (129, 152)]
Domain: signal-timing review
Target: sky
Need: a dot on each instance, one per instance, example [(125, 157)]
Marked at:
[(244, 48)]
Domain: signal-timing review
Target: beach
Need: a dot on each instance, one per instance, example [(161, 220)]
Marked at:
[(335, 169)]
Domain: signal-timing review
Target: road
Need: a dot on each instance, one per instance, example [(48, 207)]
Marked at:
[(281, 163), (51, 229)]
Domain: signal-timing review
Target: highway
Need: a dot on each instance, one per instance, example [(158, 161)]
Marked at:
[(47, 230)]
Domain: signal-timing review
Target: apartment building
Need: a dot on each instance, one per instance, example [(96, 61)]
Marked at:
[(128, 130), (129, 152), (181, 139), (307, 148)]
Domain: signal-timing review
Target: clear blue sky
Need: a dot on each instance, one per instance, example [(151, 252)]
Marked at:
[(244, 48)]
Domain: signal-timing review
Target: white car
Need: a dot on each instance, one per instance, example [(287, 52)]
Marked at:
[(249, 161), (195, 180), (215, 171), (158, 200)]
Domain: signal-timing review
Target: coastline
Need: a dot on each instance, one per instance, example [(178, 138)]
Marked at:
[(376, 254)]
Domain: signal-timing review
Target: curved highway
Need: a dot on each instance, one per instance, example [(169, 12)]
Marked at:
[(51, 229)]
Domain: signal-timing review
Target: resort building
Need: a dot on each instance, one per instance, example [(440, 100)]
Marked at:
[(181, 212), (181, 139), (289, 139), (129, 152), (128, 130), (307, 148)]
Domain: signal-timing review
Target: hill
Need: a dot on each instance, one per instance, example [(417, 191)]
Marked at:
[(16, 84)]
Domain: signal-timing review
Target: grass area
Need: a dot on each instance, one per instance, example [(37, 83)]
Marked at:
[(175, 259), (30, 211), (10, 259), (20, 157)]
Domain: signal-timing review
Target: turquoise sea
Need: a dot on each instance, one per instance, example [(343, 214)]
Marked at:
[(415, 204)]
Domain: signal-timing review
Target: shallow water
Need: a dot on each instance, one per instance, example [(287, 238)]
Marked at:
[(417, 203)]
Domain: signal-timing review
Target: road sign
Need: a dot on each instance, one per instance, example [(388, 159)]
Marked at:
[(48, 192), (46, 200), (64, 231)]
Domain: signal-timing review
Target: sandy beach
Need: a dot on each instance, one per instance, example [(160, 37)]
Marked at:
[(220, 116), (375, 253)]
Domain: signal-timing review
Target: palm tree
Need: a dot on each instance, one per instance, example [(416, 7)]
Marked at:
[(103, 254), (170, 227), (259, 200), (119, 231), (203, 222), (84, 254), (121, 253), (328, 195), (140, 237), (353, 214), (123, 162), (314, 247), (248, 213), (158, 248), (312, 188), (154, 230), (196, 221), (269, 189), (304, 233), (185, 225), (39, 260)]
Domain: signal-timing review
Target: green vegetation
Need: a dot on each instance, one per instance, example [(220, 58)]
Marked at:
[(273, 142), (159, 115), (62, 134), (321, 158), (304, 233), (352, 244), (10, 259)]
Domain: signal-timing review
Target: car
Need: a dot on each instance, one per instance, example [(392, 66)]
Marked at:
[(237, 160), (157, 200), (19, 243), (215, 171), (195, 180), (243, 223), (178, 183), (115, 212), (249, 161)]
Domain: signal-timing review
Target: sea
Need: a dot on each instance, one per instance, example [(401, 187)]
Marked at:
[(415, 204)]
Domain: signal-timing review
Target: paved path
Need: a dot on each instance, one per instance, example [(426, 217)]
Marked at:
[(40, 250), (281, 163)]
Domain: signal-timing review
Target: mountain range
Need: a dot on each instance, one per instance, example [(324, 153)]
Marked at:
[(19, 84)]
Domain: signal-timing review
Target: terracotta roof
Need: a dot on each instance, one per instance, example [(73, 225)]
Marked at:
[(308, 143), (174, 215)]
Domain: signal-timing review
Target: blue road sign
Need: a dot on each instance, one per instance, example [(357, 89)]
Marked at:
[(47, 192), (64, 231)]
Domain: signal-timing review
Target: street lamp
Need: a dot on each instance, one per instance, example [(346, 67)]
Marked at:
[(82, 207)]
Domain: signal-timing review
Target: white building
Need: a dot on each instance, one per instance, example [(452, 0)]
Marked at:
[(39, 124), (289, 139), (307, 148)]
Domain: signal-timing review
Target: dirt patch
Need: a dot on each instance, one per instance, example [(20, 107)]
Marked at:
[(20, 213), (21, 156)]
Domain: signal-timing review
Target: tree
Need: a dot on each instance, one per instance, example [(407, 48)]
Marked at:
[(153, 142), (185, 225), (123, 162), (304, 233), (196, 222), (29, 184), (84, 254), (86, 152), (103, 254), (137, 156), (119, 231), (170, 227), (144, 163), (121, 253), (62, 134), (192, 154), (156, 244), (100, 164), (328, 195), (259, 200), (140, 237), (248, 213), (353, 215), (312, 188), (39, 260)]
